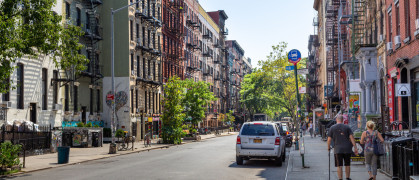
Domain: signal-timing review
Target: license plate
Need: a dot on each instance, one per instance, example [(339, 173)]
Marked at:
[(257, 140)]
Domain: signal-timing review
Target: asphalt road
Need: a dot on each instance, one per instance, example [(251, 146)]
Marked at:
[(209, 159)]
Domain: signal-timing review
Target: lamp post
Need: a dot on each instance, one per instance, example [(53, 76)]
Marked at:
[(112, 147)]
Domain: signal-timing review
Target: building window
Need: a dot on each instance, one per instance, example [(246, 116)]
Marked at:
[(67, 10), (143, 36), (19, 88), (67, 98), (6, 96), (138, 66), (78, 17), (76, 99), (407, 17), (144, 75), (98, 101), (397, 20), (154, 71), (145, 101), (136, 99), (44, 89), (390, 26), (132, 100), (137, 31), (131, 30), (132, 62)]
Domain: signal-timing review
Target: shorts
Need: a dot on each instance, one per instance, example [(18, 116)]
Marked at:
[(340, 158)]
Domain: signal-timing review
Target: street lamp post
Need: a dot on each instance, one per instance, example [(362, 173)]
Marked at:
[(112, 147)]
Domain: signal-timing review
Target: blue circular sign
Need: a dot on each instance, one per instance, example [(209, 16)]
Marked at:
[(294, 56)]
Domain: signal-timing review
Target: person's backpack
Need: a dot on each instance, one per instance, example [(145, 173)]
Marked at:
[(378, 146)]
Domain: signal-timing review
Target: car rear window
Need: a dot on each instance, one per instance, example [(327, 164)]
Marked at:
[(258, 130), (284, 128)]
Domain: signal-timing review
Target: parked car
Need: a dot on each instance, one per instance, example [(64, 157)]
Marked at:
[(261, 140)]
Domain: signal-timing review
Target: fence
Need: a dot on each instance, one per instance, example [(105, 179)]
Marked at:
[(31, 139)]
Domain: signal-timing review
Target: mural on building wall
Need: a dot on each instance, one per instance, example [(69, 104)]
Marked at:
[(121, 100)]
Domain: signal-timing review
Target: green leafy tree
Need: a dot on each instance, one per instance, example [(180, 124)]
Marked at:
[(271, 88), (9, 155), (29, 28), (173, 115), (228, 118), (197, 97)]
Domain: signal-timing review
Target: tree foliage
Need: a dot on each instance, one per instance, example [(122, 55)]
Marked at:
[(227, 118), (173, 115), (271, 88), (196, 99), (29, 28)]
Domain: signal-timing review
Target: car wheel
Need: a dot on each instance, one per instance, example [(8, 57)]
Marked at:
[(278, 162), (239, 160), (283, 156)]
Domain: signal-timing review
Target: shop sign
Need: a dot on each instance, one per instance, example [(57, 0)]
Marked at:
[(403, 90), (150, 119)]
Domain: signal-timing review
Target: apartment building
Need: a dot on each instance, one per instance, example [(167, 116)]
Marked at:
[(235, 75), (402, 25), (37, 97), (138, 80), (173, 39)]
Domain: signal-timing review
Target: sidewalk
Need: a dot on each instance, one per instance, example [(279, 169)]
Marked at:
[(79, 155), (316, 158)]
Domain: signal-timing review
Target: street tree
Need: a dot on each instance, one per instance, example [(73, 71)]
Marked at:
[(173, 115), (30, 28), (271, 88), (228, 118), (197, 97)]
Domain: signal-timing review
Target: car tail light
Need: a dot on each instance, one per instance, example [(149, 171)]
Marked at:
[(277, 141), (288, 132), (258, 123), (239, 141)]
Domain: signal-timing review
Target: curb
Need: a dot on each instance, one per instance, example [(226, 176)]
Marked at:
[(115, 155)]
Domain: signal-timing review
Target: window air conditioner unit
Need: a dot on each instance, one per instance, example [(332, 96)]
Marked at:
[(6, 104), (138, 110), (397, 40), (57, 107), (133, 72), (389, 46), (417, 24), (381, 38), (150, 77), (139, 41)]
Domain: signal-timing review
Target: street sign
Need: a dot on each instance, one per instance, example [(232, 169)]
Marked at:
[(294, 56), (110, 97), (289, 68), (302, 90), (302, 71), (403, 90)]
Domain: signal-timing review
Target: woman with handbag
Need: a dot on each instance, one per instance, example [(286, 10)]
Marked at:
[(370, 138)]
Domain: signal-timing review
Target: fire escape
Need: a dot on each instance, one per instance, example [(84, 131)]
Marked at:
[(149, 44), (351, 37), (192, 26), (173, 30), (331, 90)]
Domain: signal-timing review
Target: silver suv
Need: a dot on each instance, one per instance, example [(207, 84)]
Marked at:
[(261, 140)]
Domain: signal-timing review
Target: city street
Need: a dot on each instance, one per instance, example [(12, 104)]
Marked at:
[(208, 159)]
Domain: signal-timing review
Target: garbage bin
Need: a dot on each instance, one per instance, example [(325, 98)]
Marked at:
[(63, 154)]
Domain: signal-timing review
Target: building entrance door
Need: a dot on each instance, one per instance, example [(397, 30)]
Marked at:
[(33, 112)]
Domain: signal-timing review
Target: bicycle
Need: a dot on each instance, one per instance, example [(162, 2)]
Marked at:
[(125, 144), (147, 140)]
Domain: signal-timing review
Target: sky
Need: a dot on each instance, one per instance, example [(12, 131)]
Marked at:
[(257, 25)]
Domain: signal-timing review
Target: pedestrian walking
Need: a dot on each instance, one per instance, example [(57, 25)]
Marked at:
[(310, 129), (368, 138), (343, 140)]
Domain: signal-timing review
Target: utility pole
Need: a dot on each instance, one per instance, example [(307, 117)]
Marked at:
[(112, 147)]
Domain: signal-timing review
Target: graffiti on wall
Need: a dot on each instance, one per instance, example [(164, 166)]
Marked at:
[(74, 123)]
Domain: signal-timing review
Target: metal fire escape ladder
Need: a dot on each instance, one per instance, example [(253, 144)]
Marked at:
[(331, 46)]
